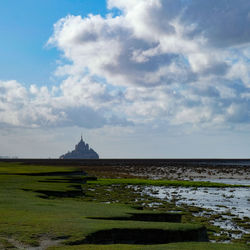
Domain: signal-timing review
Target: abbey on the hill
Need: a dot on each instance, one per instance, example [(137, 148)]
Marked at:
[(82, 151)]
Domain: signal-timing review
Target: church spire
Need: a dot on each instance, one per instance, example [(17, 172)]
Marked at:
[(81, 137)]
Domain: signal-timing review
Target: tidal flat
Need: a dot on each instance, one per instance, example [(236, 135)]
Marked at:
[(82, 205), (228, 208)]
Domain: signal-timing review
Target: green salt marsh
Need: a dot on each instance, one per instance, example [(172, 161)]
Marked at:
[(65, 211)]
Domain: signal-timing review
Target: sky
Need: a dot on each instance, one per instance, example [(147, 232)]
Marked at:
[(139, 79)]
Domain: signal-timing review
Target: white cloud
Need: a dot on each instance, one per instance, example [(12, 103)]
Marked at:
[(159, 61), (79, 102)]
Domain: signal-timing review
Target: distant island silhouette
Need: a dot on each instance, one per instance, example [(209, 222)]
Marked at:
[(81, 151)]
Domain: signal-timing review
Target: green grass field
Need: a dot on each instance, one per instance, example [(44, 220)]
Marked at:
[(166, 183), (170, 246), (28, 215)]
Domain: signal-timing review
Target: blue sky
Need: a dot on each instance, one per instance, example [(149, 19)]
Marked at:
[(26, 26), (162, 78)]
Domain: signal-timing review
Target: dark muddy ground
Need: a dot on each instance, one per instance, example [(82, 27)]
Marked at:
[(180, 169)]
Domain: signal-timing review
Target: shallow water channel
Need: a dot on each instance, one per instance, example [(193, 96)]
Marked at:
[(230, 203)]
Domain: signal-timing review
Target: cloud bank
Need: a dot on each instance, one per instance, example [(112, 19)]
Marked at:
[(171, 62)]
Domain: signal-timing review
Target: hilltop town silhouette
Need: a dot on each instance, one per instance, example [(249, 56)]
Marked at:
[(81, 151)]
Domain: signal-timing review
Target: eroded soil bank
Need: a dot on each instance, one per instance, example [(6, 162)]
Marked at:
[(145, 236)]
